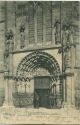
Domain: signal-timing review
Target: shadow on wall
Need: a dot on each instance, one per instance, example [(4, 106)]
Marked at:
[(2, 96)]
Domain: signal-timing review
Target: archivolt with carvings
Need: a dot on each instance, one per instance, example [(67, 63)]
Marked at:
[(36, 62)]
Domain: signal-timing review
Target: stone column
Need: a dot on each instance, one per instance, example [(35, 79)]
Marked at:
[(73, 62), (11, 81), (9, 84), (69, 90), (30, 91), (44, 26), (70, 79), (70, 99), (8, 93), (32, 86), (27, 30), (35, 25)]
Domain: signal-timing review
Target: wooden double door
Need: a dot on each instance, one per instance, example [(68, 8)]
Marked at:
[(41, 91)]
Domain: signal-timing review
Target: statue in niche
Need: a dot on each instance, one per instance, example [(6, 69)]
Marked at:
[(9, 35), (9, 45), (67, 35), (9, 40), (68, 41), (6, 65), (57, 32), (67, 38), (71, 34), (22, 36)]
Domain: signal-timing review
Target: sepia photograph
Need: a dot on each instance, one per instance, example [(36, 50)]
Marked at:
[(39, 62)]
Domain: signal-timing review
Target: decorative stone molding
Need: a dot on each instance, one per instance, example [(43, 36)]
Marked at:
[(38, 60)]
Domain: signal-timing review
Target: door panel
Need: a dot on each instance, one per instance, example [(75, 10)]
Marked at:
[(42, 82), (43, 95), (41, 89)]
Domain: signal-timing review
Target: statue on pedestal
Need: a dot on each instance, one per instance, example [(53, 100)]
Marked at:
[(22, 36), (57, 32), (9, 40)]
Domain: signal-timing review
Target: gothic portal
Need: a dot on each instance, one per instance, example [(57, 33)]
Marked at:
[(39, 64), (39, 73)]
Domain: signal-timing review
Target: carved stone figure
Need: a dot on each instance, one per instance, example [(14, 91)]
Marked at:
[(57, 32), (9, 35), (22, 36), (9, 40)]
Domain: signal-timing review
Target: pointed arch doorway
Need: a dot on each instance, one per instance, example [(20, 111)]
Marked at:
[(43, 69)]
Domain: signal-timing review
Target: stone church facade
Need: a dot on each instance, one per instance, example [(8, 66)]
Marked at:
[(39, 54)]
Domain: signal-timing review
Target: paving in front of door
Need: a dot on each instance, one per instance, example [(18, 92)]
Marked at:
[(11, 115)]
